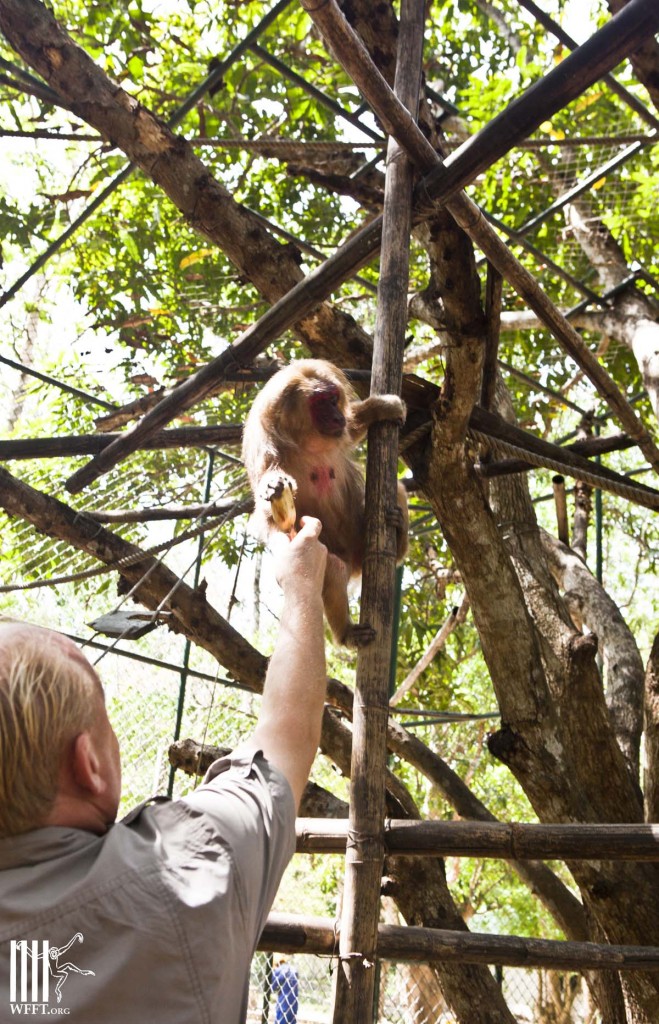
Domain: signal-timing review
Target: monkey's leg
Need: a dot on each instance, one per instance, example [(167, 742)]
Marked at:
[(337, 611)]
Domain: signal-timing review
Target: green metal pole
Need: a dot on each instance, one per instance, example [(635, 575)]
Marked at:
[(188, 646)]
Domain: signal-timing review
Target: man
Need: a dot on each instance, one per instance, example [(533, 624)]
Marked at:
[(167, 905), (285, 983)]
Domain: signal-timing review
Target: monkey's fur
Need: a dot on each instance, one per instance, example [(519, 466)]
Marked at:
[(300, 432)]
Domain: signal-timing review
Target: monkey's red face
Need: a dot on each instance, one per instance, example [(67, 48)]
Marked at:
[(326, 415)]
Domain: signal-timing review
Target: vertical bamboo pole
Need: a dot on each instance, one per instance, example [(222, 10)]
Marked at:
[(365, 850)]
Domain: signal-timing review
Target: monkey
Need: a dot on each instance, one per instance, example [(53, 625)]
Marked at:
[(297, 443)]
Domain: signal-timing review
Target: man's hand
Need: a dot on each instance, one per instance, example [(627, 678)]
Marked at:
[(300, 562)]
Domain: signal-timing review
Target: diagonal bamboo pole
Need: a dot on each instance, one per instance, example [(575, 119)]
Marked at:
[(352, 54), (365, 852)]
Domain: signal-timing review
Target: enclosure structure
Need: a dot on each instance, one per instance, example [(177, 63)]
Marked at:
[(555, 727)]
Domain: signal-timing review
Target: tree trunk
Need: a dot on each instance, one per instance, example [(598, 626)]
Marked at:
[(616, 644), (634, 317), (644, 60), (652, 734)]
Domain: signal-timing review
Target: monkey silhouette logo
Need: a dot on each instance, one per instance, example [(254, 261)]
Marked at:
[(52, 955), (297, 443)]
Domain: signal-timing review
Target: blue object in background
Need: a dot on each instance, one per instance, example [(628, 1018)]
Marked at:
[(285, 984)]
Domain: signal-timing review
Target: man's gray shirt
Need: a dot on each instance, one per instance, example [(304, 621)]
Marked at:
[(162, 913)]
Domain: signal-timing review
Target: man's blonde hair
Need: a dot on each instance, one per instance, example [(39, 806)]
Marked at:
[(46, 699)]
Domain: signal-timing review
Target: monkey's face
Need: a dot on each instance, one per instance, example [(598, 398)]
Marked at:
[(325, 410)]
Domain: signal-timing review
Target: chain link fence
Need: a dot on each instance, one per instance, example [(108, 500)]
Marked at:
[(300, 990)]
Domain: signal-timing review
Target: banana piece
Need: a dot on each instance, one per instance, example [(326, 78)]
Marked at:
[(282, 503)]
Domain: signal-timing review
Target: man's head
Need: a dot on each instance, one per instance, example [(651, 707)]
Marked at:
[(59, 758)]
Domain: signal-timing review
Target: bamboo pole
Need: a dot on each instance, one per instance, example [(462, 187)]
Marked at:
[(560, 501), (493, 294), (571, 461), (317, 935), (228, 508), (633, 102), (505, 840), (610, 44), (455, 616), (520, 118), (365, 853), (89, 444)]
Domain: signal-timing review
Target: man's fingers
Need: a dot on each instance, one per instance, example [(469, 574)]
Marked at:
[(311, 527)]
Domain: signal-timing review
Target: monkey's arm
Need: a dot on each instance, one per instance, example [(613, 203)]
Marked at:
[(373, 410)]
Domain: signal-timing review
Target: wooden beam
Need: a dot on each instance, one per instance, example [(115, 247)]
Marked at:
[(560, 501), (91, 444), (588, 447), (317, 935), (505, 840), (572, 463)]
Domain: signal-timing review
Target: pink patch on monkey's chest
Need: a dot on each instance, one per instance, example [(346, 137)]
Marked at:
[(322, 479)]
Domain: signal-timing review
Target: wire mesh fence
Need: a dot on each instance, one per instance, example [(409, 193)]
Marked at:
[(300, 990)]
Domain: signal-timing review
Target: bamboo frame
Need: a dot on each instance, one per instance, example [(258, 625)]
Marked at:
[(365, 854), (430, 944)]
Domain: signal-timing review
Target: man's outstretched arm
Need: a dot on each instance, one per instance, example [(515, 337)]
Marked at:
[(288, 729)]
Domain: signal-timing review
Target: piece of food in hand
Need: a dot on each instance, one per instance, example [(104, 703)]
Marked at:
[(282, 503)]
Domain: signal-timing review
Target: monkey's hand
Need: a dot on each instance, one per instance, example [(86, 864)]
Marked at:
[(279, 490), (374, 410)]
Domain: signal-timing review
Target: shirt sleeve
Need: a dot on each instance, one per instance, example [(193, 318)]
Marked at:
[(250, 804)]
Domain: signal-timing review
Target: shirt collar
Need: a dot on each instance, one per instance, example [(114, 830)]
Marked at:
[(42, 844)]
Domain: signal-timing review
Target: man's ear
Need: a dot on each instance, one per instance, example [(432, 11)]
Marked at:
[(85, 765)]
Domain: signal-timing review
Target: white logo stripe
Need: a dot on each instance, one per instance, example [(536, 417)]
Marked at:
[(24, 972), (46, 970), (12, 972)]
